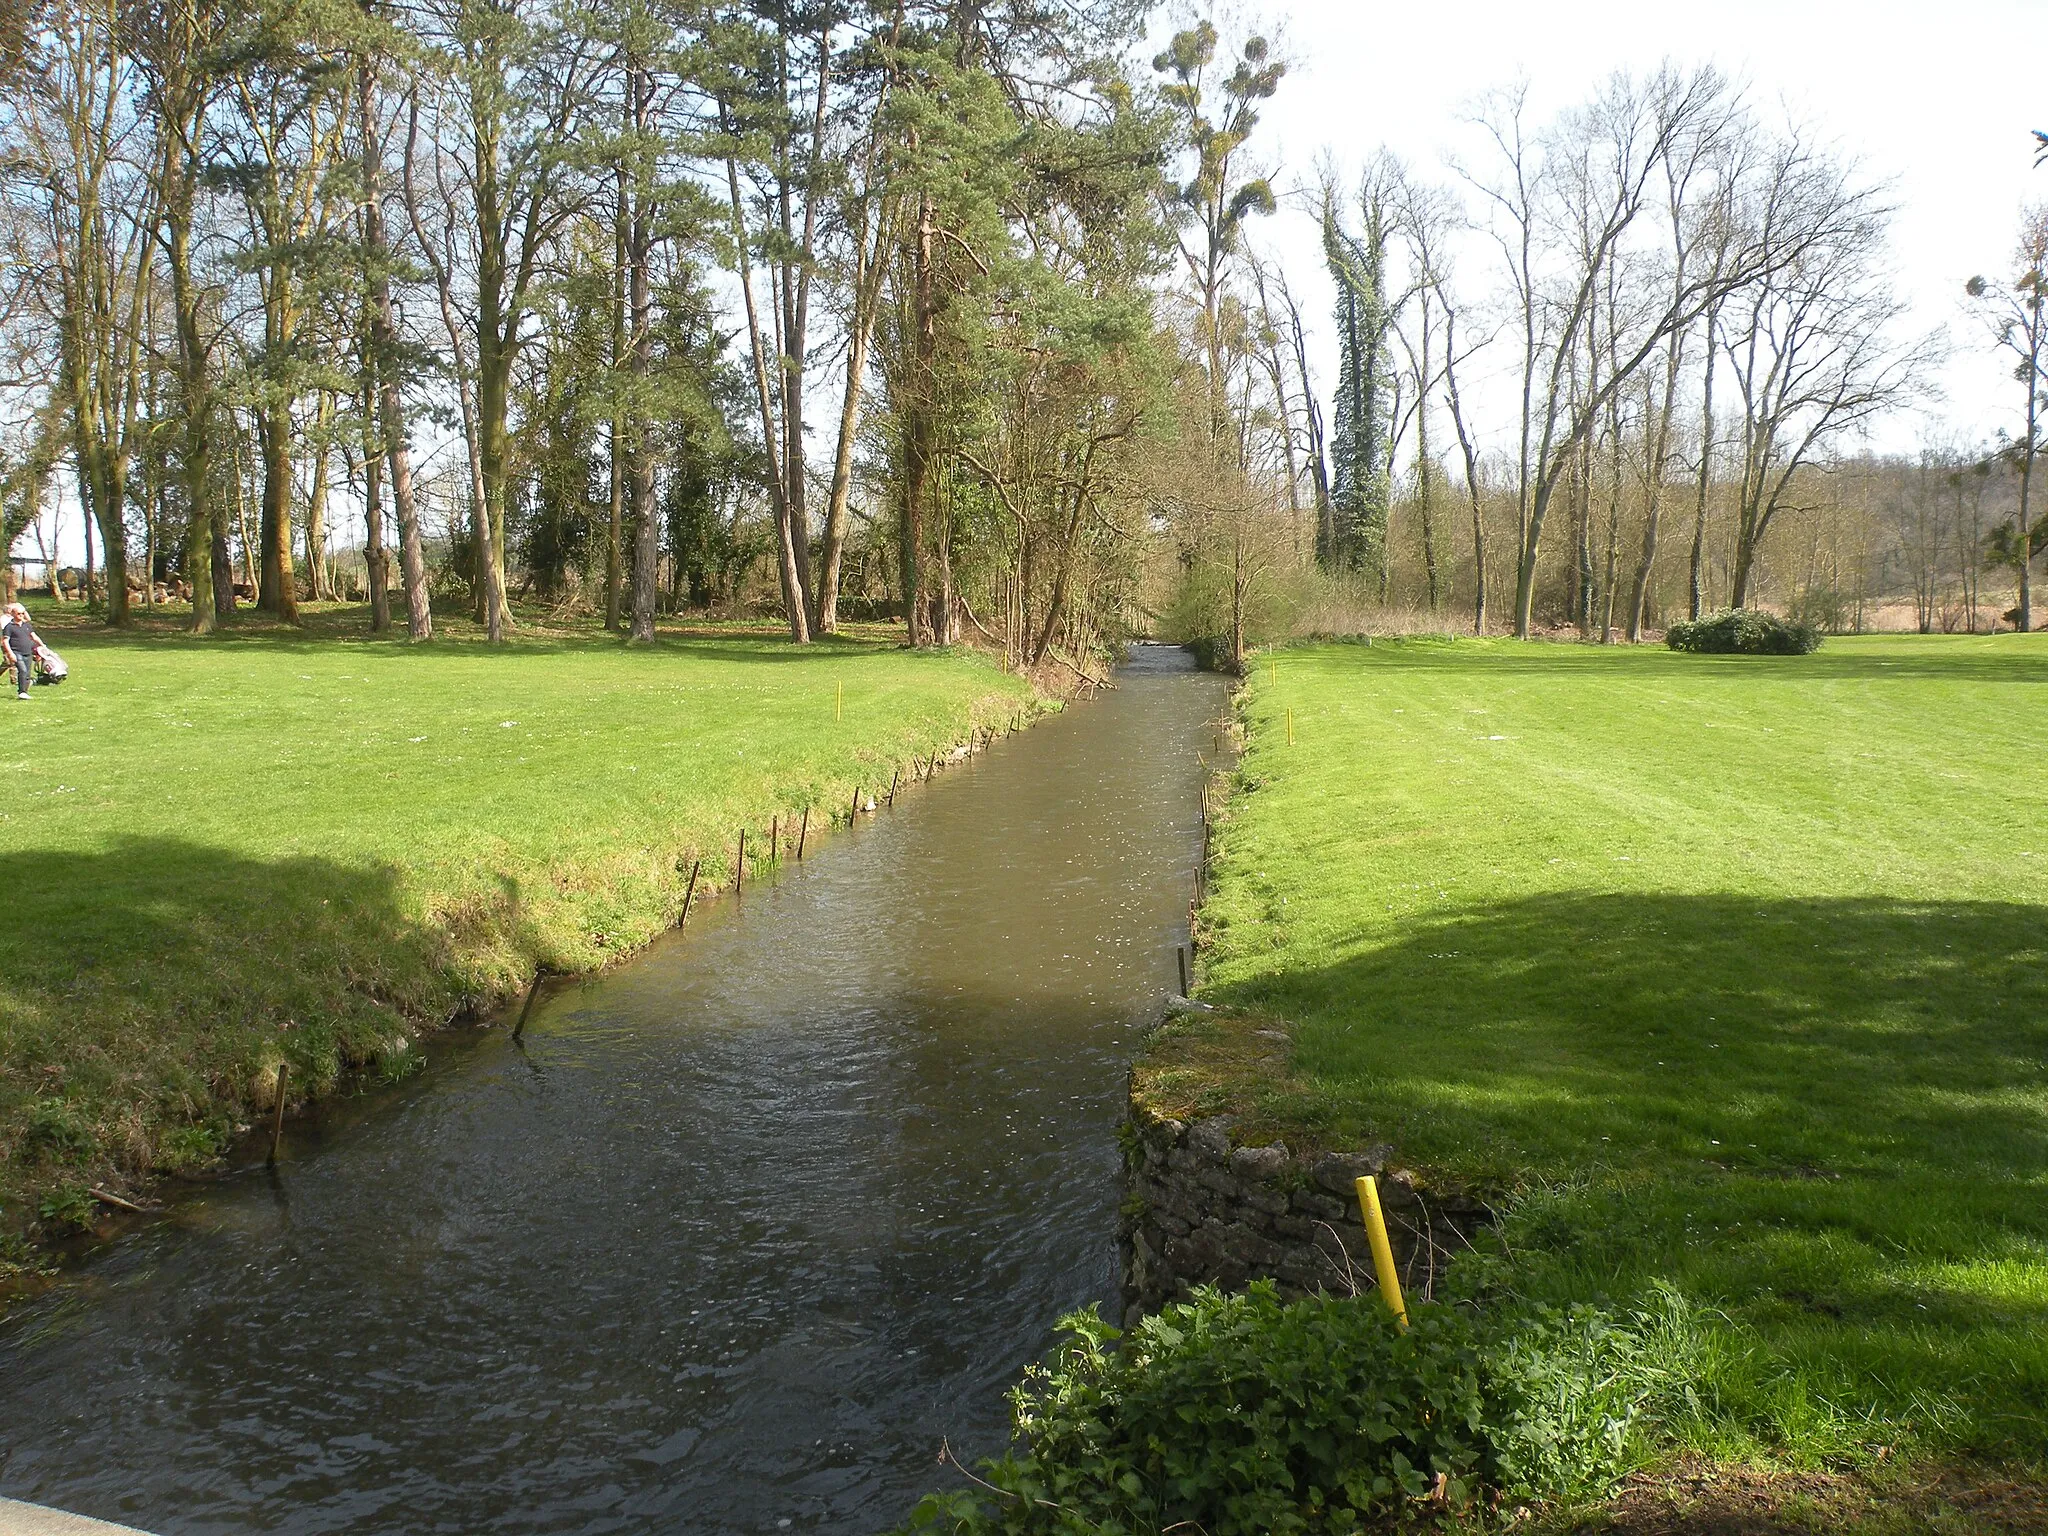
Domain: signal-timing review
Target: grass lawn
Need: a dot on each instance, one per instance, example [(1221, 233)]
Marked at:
[(1728, 976), (301, 846)]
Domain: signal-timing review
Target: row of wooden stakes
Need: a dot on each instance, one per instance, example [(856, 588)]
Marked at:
[(985, 735)]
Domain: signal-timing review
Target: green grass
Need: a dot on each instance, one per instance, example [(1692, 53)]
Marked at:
[(304, 846), (1728, 976)]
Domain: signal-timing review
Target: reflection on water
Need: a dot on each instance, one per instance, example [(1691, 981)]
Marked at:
[(735, 1239)]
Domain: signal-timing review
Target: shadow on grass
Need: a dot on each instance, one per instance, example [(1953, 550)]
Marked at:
[(1954, 658), (158, 973), (330, 626), (1833, 1034), (1823, 1119)]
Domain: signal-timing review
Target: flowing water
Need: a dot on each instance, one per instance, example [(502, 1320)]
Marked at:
[(743, 1231)]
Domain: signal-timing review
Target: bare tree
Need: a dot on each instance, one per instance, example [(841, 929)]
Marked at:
[(1809, 344)]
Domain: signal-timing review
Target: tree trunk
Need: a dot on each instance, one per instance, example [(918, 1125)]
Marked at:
[(487, 521), (91, 587), (277, 592), (1525, 572), (1696, 570), (867, 306), (114, 539), (1745, 560), (194, 388), (1471, 458), (412, 560), (919, 448), (640, 242), (223, 568), (376, 558), (796, 601), (318, 580), (389, 407), (2026, 540), (615, 533), (1653, 509)]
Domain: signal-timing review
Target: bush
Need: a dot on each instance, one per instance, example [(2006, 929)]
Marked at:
[(1243, 1415), (1199, 616), (1742, 632)]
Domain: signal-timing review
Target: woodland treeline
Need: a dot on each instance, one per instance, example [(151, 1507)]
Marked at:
[(952, 312)]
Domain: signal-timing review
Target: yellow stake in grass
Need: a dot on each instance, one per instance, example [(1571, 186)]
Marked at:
[(1382, 1250), (839, 702), (1290, 727)]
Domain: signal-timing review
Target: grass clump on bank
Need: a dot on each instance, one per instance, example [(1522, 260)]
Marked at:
[(1727, 979), (304, 846)]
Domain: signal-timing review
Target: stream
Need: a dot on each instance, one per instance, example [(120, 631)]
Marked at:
[(730, 1242)]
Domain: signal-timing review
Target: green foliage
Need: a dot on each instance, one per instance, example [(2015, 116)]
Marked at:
[(1567, 1389), (1742, 632), (1214, 126), (1241, 1414), (56, 1130), (1200, 615), (194, 1146), (67, 1208)]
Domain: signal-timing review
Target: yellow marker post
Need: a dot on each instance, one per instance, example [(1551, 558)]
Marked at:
[(1290, 727), (839, 702), (1382, 1250)]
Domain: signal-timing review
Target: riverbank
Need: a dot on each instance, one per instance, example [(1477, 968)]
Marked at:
[(299, 849), (1719, 978)]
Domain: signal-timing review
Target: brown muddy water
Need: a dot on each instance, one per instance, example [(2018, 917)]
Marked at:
[(743, 1231)]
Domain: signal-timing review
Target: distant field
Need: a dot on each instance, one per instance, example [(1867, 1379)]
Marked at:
[(278, 846), (1729, 974)]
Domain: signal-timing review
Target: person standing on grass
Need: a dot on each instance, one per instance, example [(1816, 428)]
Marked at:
[(18, 645)]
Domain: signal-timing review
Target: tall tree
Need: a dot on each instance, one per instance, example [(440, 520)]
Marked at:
[(509, 104), (290, 89), (77, 125), (1809, 343), (383, 402), (175, 43), (1362, 429), (2018, 324), (1216, 120)]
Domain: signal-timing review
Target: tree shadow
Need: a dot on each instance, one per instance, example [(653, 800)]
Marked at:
[(157, 979), (328, 628), (1955, 658), (1839, 1033), (1826, 1118)]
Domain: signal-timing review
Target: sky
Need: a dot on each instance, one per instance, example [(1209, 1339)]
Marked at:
[(1935, 98)]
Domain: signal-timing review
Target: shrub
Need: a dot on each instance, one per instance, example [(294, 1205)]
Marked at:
[(1242, 1415), (1743, 632)]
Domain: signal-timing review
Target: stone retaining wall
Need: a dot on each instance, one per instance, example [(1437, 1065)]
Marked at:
[(1201, 1210)]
